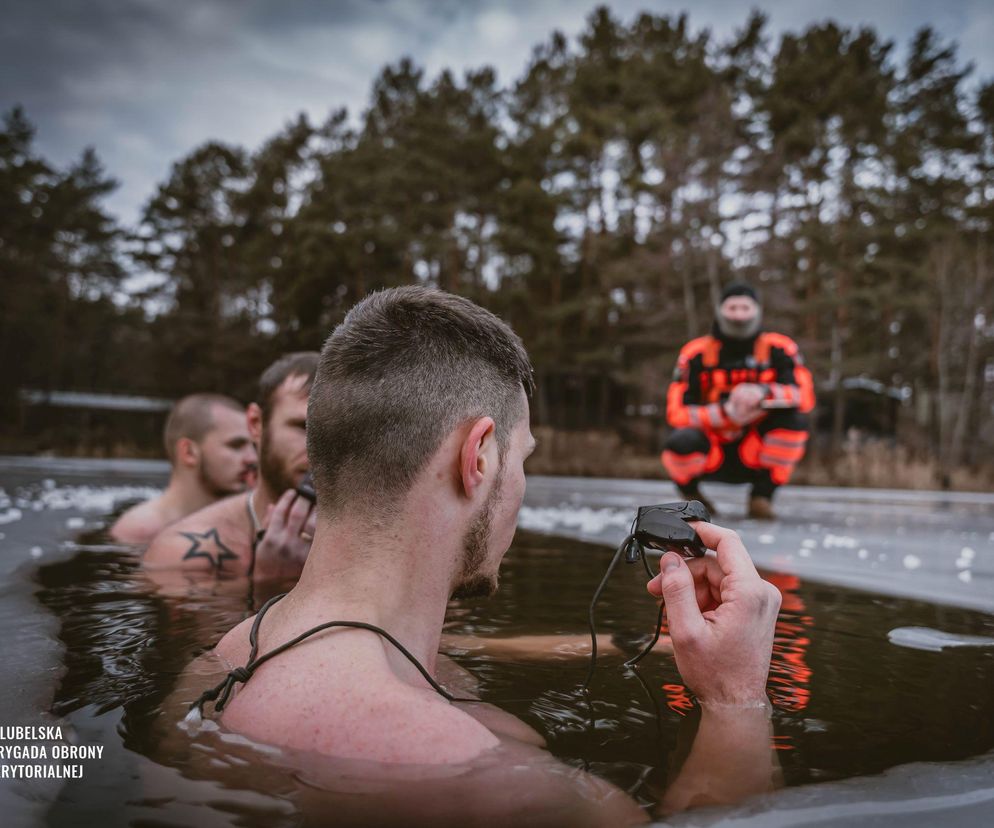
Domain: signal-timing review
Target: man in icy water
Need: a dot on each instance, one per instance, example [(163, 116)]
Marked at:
[(418, 429), (211, 456), (267, 531)]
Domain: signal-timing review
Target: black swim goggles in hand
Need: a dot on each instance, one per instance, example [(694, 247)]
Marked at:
[(664, 528)]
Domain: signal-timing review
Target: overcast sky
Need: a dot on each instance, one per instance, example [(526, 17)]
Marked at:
[(144, 81)]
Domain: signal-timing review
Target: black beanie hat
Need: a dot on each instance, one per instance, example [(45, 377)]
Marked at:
[(740, 289)]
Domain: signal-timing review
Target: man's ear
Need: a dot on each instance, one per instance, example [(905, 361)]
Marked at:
[(478, 454), (187, 452), (253, 416)]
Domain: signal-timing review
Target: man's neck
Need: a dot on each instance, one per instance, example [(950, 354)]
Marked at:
[(395, 579), (182, 497)]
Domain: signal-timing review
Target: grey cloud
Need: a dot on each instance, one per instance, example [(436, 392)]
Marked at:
[(144, 81)]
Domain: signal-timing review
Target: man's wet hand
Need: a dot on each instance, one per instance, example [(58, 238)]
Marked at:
[(289, 532), (721, 617)]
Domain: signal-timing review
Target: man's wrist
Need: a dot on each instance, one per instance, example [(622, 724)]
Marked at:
[(729, 702)]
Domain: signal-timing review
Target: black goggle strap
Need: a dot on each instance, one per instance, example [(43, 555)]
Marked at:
[(222, 692), (593, 603)]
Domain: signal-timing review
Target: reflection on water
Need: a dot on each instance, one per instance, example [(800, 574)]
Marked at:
[(846, 701)]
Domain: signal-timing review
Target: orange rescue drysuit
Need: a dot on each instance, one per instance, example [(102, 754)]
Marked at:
[(706, 443)]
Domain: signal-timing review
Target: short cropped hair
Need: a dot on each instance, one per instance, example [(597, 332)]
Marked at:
[(297, 364), (192, 417), (405, 367)]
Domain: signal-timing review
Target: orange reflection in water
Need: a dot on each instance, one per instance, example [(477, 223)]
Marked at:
[(790, 676)]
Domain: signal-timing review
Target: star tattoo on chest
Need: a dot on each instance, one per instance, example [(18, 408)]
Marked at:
[(208, 545)]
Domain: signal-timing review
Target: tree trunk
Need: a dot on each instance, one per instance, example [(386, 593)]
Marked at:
[(957, 448), (942, 404)]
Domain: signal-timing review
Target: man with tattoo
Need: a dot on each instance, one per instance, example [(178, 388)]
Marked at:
[(266, 532), (207, 442)]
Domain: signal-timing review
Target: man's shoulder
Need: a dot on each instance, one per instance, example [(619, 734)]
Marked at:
[(702, 350), (773, 339), (139, 524), (215, 537), (698, 345), (357, 720)]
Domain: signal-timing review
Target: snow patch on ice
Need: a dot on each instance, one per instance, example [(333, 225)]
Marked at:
[(585, 519), (967, 552), (81, 498), (925, 638), (965, 576), (831, 541), (10, 515), (912, 562), (766, 539)]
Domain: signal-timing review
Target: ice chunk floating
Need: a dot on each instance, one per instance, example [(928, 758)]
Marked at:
[(925, 638)]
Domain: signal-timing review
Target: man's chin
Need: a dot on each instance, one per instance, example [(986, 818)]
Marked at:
[(477, 586)]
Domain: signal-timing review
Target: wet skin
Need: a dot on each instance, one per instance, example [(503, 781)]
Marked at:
[(349, 695), (220, 464), (218, 539)]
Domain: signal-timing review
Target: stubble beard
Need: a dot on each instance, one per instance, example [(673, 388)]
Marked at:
[(272, 471), (740, 328), (474, 581), (216, 487)]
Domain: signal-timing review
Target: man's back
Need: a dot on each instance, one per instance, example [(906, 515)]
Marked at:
[(338, 693)]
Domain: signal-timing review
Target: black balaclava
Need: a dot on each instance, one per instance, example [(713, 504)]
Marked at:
[(732, 331)]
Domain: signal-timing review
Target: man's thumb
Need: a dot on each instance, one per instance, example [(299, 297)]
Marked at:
[(676, 585)]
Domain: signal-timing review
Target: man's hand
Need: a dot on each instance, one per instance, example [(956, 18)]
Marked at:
[(743, 404), (291, 522), (721, 618)]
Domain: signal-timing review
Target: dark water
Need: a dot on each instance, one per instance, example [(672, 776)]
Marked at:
[(847, 702)]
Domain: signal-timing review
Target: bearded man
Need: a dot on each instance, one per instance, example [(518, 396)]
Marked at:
[(267, 531), (738, 405), (211, 456)]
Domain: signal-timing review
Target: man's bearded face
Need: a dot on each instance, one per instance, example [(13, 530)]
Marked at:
[(479, 574), (739, 317)]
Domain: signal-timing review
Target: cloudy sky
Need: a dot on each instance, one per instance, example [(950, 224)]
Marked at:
[(144, 81)]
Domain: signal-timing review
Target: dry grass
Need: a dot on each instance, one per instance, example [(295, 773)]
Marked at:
[(864, 463)]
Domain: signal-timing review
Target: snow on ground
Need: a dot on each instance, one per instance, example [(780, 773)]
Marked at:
[(937, 546)]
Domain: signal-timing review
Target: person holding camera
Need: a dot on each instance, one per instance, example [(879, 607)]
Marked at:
[(739, 404)]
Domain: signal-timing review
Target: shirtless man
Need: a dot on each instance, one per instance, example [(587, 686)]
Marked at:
[(417, 434), (208, 446), (266, 532)]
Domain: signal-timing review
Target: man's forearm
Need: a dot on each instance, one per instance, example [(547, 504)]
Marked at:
[(732, 758)]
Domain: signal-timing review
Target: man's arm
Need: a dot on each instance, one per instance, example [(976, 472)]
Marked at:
[(537, 647), (731, 759), (201, 549), (794, 385), (683, 397), (721, 618)]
